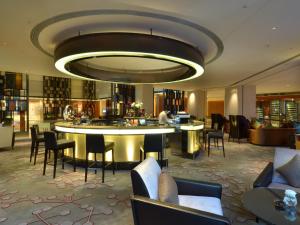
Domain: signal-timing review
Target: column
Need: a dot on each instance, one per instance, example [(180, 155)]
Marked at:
[(144, 94), (196, 103), (240, 100)]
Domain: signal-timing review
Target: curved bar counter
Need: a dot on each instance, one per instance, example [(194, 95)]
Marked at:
[(127, 139)]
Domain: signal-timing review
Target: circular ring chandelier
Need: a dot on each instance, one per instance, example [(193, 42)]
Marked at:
[(71, 55)]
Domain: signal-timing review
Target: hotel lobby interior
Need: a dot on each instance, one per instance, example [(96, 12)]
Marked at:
[(149, 112)]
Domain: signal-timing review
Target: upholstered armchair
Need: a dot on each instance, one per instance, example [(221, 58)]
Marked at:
[(7, 137), (199, 202), (270, 178), (239, 126)]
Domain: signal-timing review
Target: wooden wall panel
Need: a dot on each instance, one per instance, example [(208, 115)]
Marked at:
[(215, 107)]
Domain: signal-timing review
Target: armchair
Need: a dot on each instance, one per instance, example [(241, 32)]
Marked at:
[(239, 126), (269, 177), (199, 202), (7, 137)]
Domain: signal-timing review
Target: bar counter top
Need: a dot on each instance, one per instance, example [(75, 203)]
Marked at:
[(127, 139), (69, 127)]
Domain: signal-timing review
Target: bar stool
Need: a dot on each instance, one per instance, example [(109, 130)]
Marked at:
[(216, 135), (95, 144), (56, 145), (35, 142), (153, 143)]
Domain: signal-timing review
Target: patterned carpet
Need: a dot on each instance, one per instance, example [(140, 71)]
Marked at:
[(27, 197)]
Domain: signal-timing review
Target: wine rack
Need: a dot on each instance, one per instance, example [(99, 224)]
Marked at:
[(275, 111), (259, 113), (291, 110)]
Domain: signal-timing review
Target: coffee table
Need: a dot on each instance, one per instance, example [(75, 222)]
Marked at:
[(260, 201)]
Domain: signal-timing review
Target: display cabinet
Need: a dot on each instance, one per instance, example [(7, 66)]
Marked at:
[(122, 97), (259, 112), (173, 100), (56, 95), (14, 100), (291, 110), (89, 95), (282, 110), (275, 112)]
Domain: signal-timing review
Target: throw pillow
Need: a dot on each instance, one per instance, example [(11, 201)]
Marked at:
[(167, 189), (291, 171)]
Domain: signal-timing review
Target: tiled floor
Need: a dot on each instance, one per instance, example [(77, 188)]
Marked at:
[(27, 197)]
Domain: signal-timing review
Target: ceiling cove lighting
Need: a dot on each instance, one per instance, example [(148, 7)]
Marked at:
[(71, 58)]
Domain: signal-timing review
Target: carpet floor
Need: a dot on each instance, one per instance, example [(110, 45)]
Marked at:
[(27, 197)]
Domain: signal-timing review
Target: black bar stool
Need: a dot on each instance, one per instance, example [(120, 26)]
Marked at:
[(153, 143), (35, 142), (56, 145), (216, 135), (95, 144)]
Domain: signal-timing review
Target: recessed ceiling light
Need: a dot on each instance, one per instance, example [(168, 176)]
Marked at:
[(274, 28)]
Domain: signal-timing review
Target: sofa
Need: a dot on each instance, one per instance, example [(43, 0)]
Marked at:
[(272, 136), (7, 137), (270, 178), (199, 202)]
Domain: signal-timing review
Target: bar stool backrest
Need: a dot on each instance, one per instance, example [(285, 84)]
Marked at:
[(50, 140), (153, 143), (33, 134), (95, 143), (37, 128)]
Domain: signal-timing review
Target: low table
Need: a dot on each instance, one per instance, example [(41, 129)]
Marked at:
[(260, 201)]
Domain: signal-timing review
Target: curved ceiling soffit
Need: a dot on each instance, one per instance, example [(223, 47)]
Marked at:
[(35, 32)]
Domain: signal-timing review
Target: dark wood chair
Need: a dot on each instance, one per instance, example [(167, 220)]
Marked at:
[(52, 144), (95, 144), (35, 142), (153, 143)]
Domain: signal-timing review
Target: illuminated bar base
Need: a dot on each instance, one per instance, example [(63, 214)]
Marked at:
[(127, 147), (190, 140), (127, 141)]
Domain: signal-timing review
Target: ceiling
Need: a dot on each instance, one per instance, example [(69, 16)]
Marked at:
[(254, 42)]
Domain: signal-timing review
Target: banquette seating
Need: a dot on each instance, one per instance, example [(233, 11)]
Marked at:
[(271, 136), (199, 202)]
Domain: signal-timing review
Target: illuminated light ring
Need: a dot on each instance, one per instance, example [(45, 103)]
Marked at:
[(192, 127), (69, 54), (115, 131)]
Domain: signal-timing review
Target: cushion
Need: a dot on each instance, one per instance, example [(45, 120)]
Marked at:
[(291, 171), (283, 187), (203, 203), (149, 171), (282, 156), (167, 189)]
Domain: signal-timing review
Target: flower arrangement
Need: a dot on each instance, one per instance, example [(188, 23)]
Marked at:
[(136, 109), (137, 105)]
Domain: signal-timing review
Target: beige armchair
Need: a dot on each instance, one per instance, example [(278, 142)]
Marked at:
[(7, 137)]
